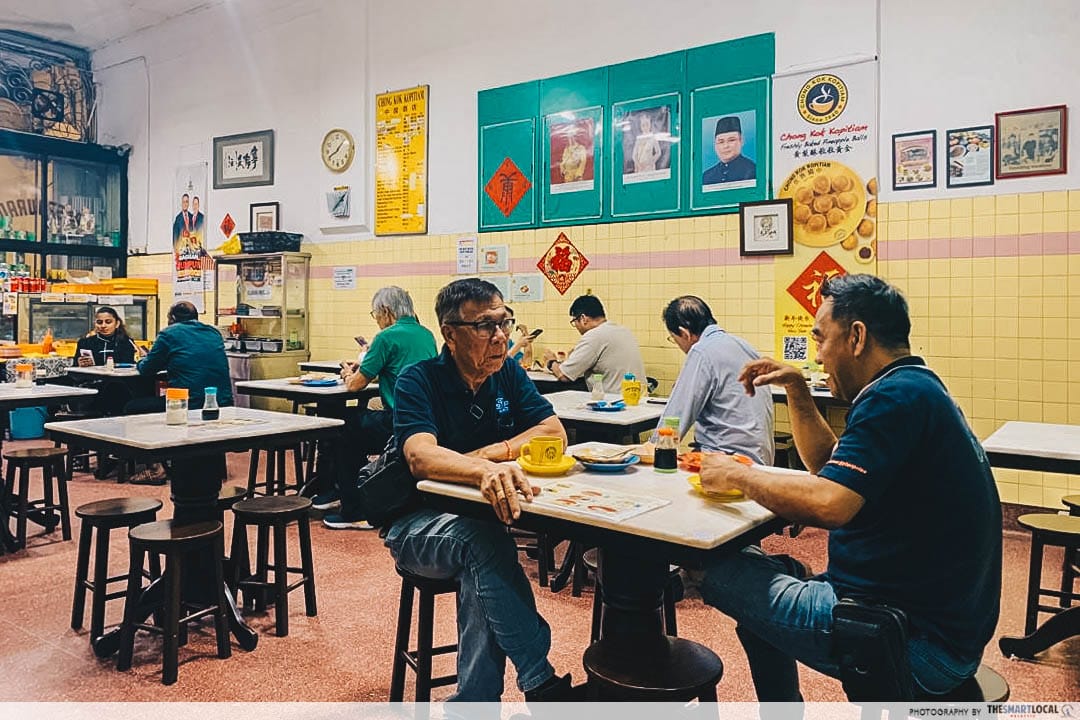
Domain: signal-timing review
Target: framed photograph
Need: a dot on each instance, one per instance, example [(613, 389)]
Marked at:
[(1031, 142), (265, 216), (969, 153), (244, 160), (914, 160), (765, 228)]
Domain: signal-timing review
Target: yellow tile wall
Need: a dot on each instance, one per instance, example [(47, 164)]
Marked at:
[(1003, 331)]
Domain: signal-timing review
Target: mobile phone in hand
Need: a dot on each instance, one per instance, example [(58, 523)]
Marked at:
[(360, 341), (535, 333), (86, 353)]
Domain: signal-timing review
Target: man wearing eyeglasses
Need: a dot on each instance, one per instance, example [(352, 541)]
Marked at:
[(459, 417), (605, 348), (401, 342)]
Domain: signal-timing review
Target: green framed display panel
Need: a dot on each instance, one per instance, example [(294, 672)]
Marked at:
[(508, 132), (625, 142), (721, 183)]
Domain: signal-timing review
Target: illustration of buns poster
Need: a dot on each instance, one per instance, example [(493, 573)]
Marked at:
[(825, 160)]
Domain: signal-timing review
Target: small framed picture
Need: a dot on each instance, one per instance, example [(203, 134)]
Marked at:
[(969, 153), (265, 216), (914, 160), (765, 228), (244, 160), (1031, 142)]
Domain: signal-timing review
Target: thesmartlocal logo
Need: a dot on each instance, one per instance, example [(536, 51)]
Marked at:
[(1032, 709)]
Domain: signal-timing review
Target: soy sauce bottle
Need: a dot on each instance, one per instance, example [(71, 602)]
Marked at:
[(666, 455), (210, 408)]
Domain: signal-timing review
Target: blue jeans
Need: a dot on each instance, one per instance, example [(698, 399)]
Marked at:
[(496, 611), (782, 618)]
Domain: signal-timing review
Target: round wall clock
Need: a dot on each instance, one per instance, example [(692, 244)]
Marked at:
[(338, 149)]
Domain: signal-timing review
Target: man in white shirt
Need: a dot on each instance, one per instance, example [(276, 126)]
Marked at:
[(604, 348)]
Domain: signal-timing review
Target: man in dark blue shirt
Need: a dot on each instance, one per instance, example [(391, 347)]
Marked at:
[(458, 418), (732, 165), (906, 491)]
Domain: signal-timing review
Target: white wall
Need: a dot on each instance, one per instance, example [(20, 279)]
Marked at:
[(954, 64), (302, 67)]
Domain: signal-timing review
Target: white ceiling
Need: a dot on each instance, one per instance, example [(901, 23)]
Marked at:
[(92, 24)]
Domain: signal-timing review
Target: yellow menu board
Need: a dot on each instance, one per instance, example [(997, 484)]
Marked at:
[(401, 125)]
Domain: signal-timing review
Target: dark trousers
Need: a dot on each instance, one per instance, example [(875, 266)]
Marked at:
[(366, 433)]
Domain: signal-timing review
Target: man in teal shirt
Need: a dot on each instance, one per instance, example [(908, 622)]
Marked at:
[(193, 353), (402, 342)]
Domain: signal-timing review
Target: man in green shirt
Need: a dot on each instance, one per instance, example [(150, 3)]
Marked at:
[(402, 342)]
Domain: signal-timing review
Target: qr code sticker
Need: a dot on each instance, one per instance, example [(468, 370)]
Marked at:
[(796, 348)]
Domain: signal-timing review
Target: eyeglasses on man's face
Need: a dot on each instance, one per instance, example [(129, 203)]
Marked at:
[(485, 329), (575, 320)]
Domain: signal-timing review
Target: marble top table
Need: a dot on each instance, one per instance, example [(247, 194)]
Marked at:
[(325, 396), (100, 371), (12, 397), (687, 519), (324, 366), (196, 451), (1049, 448), (823, 398), (1035, 446), (595, 425), (634, 552), (546, 383)]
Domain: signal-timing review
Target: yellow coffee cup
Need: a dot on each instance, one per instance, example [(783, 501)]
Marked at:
[(543, 450)]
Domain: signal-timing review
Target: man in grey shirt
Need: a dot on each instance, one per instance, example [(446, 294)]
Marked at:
[(708, 394), (604, 348)]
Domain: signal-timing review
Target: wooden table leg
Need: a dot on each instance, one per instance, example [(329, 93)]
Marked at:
[(1065, 624)]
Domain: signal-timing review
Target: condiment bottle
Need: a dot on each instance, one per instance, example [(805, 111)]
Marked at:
[(631, 389), (110, 363), (24, 375), (666, 455), (47, 342), (176, 405), (210, 409)]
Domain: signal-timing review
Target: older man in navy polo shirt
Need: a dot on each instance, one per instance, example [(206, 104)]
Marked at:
[(458, 418)]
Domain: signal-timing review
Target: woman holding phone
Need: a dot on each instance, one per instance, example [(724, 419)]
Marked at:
[(108, 338)]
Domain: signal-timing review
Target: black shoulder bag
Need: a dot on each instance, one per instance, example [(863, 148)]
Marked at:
[(385, 489)]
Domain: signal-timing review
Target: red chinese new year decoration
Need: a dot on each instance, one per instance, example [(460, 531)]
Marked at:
[(507, 186), (227, 225), (806, 289), (562, 263)]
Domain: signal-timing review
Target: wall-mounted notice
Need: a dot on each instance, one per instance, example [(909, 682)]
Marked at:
[(526, 287), (495, 258), (502, 282), (345, 277), (401, 126), (466, 256)]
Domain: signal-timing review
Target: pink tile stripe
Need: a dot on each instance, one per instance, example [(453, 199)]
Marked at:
[(659, 259), (1026, 245)]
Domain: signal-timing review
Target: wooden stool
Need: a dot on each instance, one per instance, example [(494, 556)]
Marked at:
[(670, 626), (176, 543), (275, 512), (786, 455), (1054, 530), (536, 546), (420, 659), (675, 670), (237, 564), (1070, 565), (104, 516), (53, 464), (275, 481)]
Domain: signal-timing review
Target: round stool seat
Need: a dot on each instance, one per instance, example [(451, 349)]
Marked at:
[(117, 509), (673, 668), (34, 457), (1073, 503), (435, 586), (268, 508), (984, 686), (1054, 528), (166, 532)]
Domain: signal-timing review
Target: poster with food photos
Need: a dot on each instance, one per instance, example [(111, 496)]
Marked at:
[(825, 159)]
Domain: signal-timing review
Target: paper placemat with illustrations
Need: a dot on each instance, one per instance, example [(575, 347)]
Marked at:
[(595, 501)]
